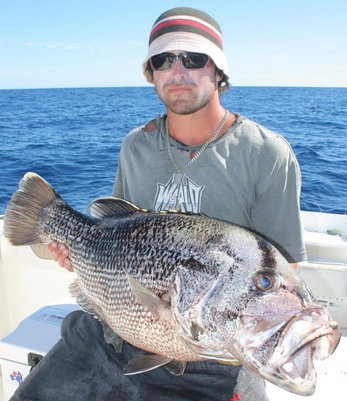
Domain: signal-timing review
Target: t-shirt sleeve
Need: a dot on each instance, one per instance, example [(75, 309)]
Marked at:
[(276, 210), (118, 186), (124, 170)]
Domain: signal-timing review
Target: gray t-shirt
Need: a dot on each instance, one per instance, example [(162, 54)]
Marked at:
[(249, 176)]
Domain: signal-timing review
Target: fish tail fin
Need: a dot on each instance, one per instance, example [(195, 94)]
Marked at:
[(23, 212)]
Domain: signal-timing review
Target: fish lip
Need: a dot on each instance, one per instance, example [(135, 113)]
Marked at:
[(322, 332), (291, 365), (317, 324), (301, 381), (300, 385)]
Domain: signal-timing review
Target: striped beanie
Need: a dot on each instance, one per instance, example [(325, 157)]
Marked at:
[(186, 29)]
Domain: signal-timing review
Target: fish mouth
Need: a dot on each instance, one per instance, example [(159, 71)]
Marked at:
[(283, 354), (286, 357)]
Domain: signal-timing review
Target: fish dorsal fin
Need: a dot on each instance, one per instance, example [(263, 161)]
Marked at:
[(145, 363), (110, 206)]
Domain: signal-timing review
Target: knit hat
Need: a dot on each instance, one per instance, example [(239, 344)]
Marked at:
[(186, 29)]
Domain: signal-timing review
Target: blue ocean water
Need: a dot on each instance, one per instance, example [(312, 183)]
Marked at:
[(72, 137)]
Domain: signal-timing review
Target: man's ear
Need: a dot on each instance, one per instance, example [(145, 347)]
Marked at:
[(219, 75)]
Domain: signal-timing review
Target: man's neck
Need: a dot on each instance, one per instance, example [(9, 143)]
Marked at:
[(197, 128)]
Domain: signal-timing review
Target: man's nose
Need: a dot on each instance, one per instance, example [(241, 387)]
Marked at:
[(178, 67)]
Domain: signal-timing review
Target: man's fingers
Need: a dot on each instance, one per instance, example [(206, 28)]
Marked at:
[(60, 254)]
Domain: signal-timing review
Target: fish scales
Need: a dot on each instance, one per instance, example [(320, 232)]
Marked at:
[(101, 252), (120, 308), (102, 278), (183, 286)]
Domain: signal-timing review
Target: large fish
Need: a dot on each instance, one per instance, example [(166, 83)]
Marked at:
[(183, 287)]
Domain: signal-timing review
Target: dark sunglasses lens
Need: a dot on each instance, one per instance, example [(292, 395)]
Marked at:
[(194, 61), (162, 62), (191, 61)]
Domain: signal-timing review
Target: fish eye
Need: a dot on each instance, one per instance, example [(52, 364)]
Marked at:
[(267, 280)]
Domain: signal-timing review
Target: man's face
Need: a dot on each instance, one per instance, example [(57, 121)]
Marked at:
[(185, 91)]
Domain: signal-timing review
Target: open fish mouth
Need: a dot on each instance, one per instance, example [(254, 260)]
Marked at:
[(286, 358)]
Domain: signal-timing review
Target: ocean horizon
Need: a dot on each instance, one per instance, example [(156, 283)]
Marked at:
[(150, 86), (72, 136)]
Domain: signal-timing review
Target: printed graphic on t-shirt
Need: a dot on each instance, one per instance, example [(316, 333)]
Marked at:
[(179, 193)]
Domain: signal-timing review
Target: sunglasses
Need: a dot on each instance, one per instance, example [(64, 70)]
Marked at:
[(190, 61)]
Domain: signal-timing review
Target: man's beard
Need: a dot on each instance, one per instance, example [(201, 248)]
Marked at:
[(192, 106)]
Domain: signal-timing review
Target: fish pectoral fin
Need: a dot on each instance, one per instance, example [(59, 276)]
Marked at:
[(145, 363), (110, 206), (155, 304), (177, 368), (41, 251)]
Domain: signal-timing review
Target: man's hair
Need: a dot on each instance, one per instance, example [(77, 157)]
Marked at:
[(223, 84)]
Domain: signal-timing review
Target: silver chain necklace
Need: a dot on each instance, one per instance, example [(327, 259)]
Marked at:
[(215, 134)]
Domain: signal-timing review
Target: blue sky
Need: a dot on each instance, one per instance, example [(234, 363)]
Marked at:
[(85, 43)]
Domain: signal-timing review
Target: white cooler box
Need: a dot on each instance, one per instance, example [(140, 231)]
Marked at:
[(32, 339), (329, 285)]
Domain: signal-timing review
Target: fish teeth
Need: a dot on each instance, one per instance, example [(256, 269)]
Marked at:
[(288, 367)]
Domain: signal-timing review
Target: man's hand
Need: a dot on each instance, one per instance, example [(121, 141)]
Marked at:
[(60, 255)]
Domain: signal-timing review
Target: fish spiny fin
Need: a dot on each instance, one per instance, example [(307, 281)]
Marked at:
[(109, 206), (23, 211), (84, 301), (145, 363), (155, 304)]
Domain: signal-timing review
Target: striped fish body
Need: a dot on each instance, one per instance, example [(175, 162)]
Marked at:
[(148, 246), (184, 287)]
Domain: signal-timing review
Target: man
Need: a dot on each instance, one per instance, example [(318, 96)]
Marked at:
[(197, 158)]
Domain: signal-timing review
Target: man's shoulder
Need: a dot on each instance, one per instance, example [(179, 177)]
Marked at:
[(264, 138), (256, 130), (150, 126), (143, 131)]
